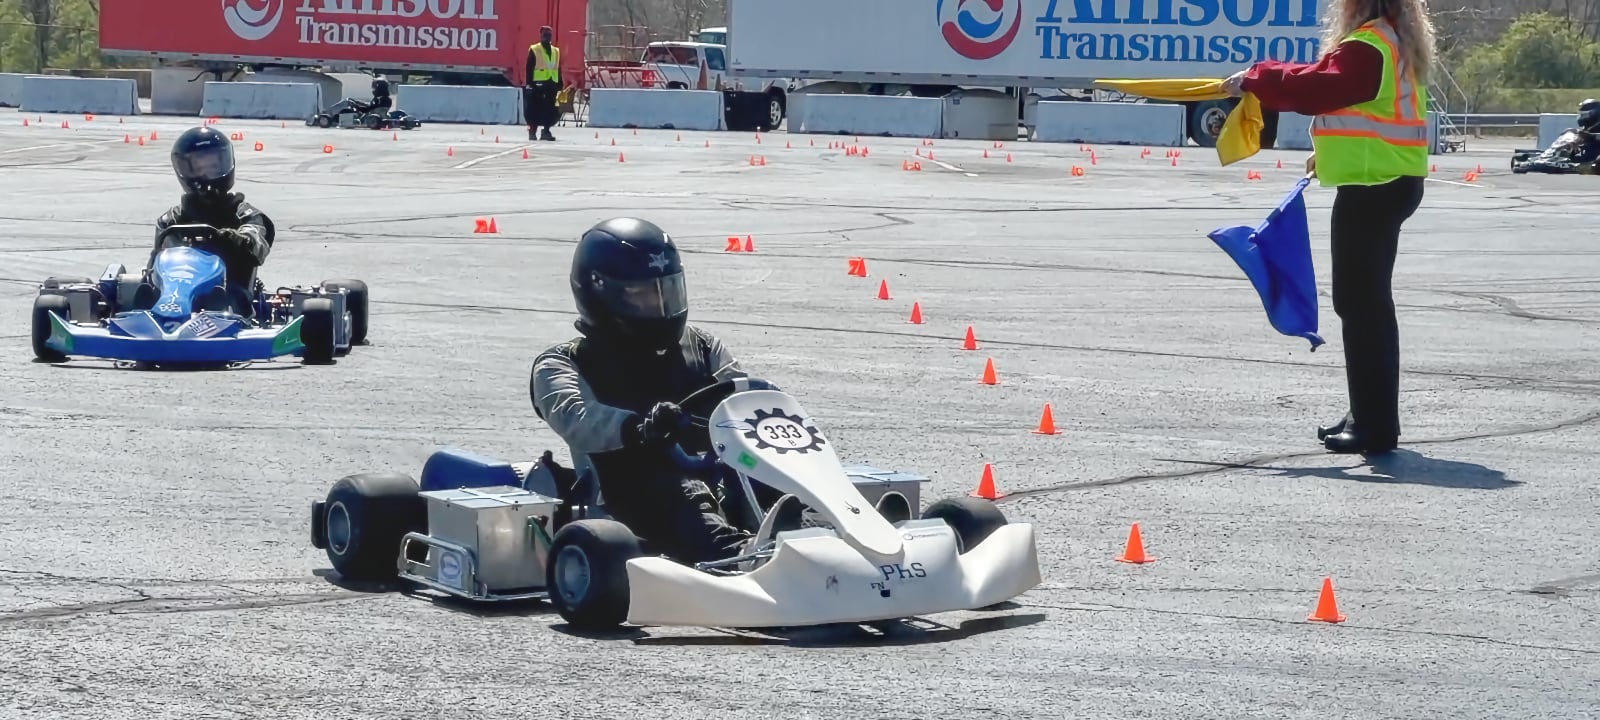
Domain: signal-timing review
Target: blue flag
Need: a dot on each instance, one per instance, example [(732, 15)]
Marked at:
[(1276, 256)]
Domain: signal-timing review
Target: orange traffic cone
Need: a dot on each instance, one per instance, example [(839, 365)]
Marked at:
[(971, 343), (327, 149), (989, 376), (620, 158), (916, 313), (986, 488), (494, 227), (1134, 552), (1327, 605), (524, 153), (260, 146), (1047, 422), (858, 267), (450, 151), (883, 290), (749, 244), (154, 136), (733, 245), (480, 226)]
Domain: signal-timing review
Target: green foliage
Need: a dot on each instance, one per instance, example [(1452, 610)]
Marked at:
[(73, 43), (1541, 50)]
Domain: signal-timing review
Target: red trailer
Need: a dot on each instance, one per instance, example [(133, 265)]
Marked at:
[(458, 37)]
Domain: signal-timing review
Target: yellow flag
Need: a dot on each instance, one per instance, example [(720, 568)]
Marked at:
[(1241, 134)]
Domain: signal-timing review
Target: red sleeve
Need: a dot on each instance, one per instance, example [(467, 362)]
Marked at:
[(1350, 75)]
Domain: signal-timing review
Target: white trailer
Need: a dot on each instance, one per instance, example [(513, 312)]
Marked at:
[(1028, 49)]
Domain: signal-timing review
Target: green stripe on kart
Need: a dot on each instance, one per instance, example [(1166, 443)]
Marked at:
[(61, 339), (288, 339)]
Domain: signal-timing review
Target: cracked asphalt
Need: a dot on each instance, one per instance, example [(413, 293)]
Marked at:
[(156, 558)]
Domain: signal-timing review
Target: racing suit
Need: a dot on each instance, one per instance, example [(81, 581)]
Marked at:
[(595, 395), (243, 246), (381, 100)]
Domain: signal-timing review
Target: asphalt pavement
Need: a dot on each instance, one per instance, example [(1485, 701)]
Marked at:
[(154, 526)]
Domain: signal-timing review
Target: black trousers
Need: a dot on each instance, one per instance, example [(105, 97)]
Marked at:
[(676, 516), (539, 105), (1366, 238)]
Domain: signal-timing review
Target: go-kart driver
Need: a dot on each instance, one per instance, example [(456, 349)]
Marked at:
[(609, 393), (202, 157), (381, 100)]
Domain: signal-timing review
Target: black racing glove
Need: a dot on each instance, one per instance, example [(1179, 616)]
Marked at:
[(661, 424)]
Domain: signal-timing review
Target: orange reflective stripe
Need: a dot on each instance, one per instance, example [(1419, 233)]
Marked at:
[(1405, 96), (1359, 126)]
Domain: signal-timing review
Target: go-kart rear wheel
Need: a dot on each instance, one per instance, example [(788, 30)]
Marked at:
[(355, 302), (588, 573), (42, 307), (364, 519), (973, 519), (324, 121), (316, 331)]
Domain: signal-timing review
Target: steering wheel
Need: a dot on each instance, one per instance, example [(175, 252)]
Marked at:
[(189, 235), (697, 408)]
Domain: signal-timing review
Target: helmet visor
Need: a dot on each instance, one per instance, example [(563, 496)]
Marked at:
[(651, 299), (205, 164)]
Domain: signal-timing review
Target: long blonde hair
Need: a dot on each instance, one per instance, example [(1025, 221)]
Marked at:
[(1410, 20)]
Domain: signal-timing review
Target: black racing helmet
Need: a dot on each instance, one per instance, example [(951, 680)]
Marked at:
[(203, 159), (627, 279), (1589, 115)]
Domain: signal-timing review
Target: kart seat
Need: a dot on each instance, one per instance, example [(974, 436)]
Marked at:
[(453, 468)]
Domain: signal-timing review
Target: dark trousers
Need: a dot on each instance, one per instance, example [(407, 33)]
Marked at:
[(539, 105), (677, 517), (1366, 238)]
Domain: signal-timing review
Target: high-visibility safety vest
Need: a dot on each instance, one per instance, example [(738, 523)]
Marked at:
[(1385, 138), (545, 66)]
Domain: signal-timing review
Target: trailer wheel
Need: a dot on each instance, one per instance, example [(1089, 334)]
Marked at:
[(777, 109), (1206, 120)]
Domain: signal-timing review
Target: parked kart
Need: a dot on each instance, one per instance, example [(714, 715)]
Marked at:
[(349, 114), (494, 531), (180, 313)]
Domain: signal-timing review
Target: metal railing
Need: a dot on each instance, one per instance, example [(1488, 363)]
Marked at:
[(1469, 121)]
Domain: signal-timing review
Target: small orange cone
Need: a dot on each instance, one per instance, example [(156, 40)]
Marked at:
[(141, 141), (1134, 552), (153, 136), (524, 153), (126, 139), (494, 227), (395, 138), (1008, 157), (450, 151), (986, 154), (481, 225), (1327, 605), (986, 488), (858, 267), (971, 343), (749, 244), (916, 313), (733, 245), (620, 158), (883, 290), (613, 142), (1077, 171), (1280, 163), (260, 146), (1047, 422), (327, 149), (989, 377)]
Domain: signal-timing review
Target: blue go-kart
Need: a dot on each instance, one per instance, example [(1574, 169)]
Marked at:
[(181, 312)]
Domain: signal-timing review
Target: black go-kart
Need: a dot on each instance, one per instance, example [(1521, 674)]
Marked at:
[(351, 113)]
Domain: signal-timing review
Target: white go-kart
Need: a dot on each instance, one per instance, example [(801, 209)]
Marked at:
[(497, 531)]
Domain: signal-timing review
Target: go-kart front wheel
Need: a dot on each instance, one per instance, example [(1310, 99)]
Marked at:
[(587, 574), (363, 520), (317, 331), (973, 519), (43, 306)]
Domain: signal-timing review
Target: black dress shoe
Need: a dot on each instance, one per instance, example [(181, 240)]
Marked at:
[(1335, 429), (1352, 441)]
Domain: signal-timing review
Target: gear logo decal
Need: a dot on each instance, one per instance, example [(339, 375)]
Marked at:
[(782, 432), (252, 19), (980, 29)]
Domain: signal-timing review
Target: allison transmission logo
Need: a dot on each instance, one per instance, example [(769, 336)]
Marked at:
[(252, 19), (980, 29), (423, 24)]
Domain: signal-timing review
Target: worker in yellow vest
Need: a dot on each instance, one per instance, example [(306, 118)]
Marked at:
[(1368, 96), (544, 83)]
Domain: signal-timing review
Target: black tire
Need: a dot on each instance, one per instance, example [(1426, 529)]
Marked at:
[(365, 518), (777, 110), (355, 302), (324, 121), (587, 575), (372, 122), (316, 331), (42, 307), (973, 519), (1206, 119)]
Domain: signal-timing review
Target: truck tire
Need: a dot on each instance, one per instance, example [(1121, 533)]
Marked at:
[(777, 109), (1206, 119)]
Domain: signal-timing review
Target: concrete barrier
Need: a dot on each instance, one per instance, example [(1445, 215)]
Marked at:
[(461, 104), (261, 101), (11, 89), (868, 115), (1294, 131), (979, 115), (1111, 123), (1551, 125), (79, 95), (662, 109)]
